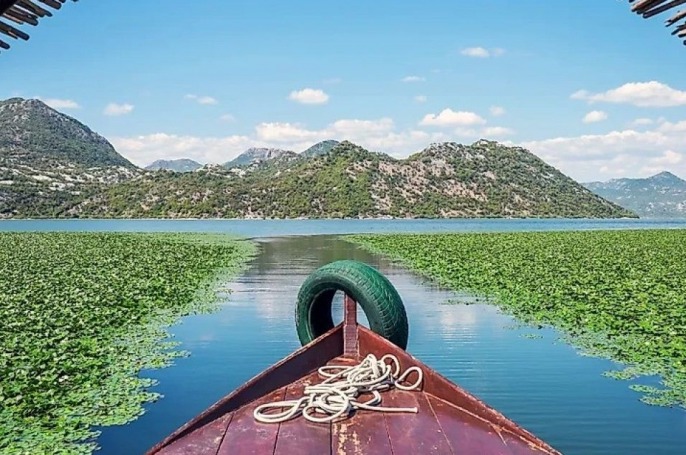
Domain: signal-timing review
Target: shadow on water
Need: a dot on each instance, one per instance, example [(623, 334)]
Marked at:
[(541, 383)]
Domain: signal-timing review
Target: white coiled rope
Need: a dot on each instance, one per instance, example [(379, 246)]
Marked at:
[(337, 394)]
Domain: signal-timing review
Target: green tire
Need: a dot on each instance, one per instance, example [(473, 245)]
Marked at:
[(376, 295)]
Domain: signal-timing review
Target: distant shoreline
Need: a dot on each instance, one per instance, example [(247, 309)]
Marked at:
[(338, 219)]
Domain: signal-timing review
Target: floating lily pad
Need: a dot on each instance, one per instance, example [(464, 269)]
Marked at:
[(82, 314), (616, 294)]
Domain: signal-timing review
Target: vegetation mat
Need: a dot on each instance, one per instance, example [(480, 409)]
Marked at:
[(82, 314), (616, 294)]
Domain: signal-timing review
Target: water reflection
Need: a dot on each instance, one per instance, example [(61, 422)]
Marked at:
[(541, 383)]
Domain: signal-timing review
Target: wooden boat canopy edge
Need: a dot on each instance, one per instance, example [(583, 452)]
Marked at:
[(651, 8), (23, 12), (17, 13)]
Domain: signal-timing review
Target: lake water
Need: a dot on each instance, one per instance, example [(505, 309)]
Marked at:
[(276, 228), (542, 384)]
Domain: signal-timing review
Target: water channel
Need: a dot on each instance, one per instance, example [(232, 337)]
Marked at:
[(541, 383)]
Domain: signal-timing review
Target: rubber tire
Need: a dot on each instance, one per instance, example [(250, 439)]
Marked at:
[(376, 295)]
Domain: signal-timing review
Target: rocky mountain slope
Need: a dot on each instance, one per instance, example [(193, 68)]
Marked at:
[(180, 165), (661, 196), (485, 179), (53, 166), (32, 133), (49, 161), (257, 155), (320, 148)]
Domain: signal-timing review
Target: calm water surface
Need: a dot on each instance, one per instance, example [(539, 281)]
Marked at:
[(542, 384), (273, 228)]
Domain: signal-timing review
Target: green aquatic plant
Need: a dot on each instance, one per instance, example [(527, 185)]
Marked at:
[(615, 294), (82, 314)]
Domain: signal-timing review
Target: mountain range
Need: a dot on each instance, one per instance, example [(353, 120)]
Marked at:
[(49, 160), (661, 196), (485, 179), (180, 165), (53, 166), (252, 156)]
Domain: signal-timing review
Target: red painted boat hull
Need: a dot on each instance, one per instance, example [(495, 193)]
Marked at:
[(449, 421)]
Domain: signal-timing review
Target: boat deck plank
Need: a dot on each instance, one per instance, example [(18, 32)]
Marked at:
[(364, 432), (466, 433), (300, 436), (204, 440), (413, 433), (439, 427), (246, 436), (517, 446)]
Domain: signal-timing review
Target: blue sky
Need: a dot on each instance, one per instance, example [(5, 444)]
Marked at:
[(566, 79)]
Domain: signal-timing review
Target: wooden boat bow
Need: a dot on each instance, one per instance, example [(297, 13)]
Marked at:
[(449, 419)]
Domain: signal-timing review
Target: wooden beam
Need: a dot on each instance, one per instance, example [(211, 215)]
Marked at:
[(5, 5), (8, 16), (23, 12), (35, 9), (663, 8), (52, 3), (678, 29), (13, 32), (21, 15), (642, 5), (676, 18)]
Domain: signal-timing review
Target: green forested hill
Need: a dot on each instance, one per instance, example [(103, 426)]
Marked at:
[(33, 133), (320, 148), (485, 179), (50, 161), (53, 166)]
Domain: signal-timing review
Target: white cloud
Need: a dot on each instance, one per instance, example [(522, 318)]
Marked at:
[(413, 79), (482, 52), (378, 134), (286, 133), (594, 117), (641, 94), (497, 111), (670, 157), (143, 150), (496, 132), (115, 110), (358, 128), (448, 117), (228, 118), (626, 153), (668, 160), (344, 129), (585, 158), (420, 98), (642, 122), (669, 127), (57, 103), (206, 100), (309, 96)]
